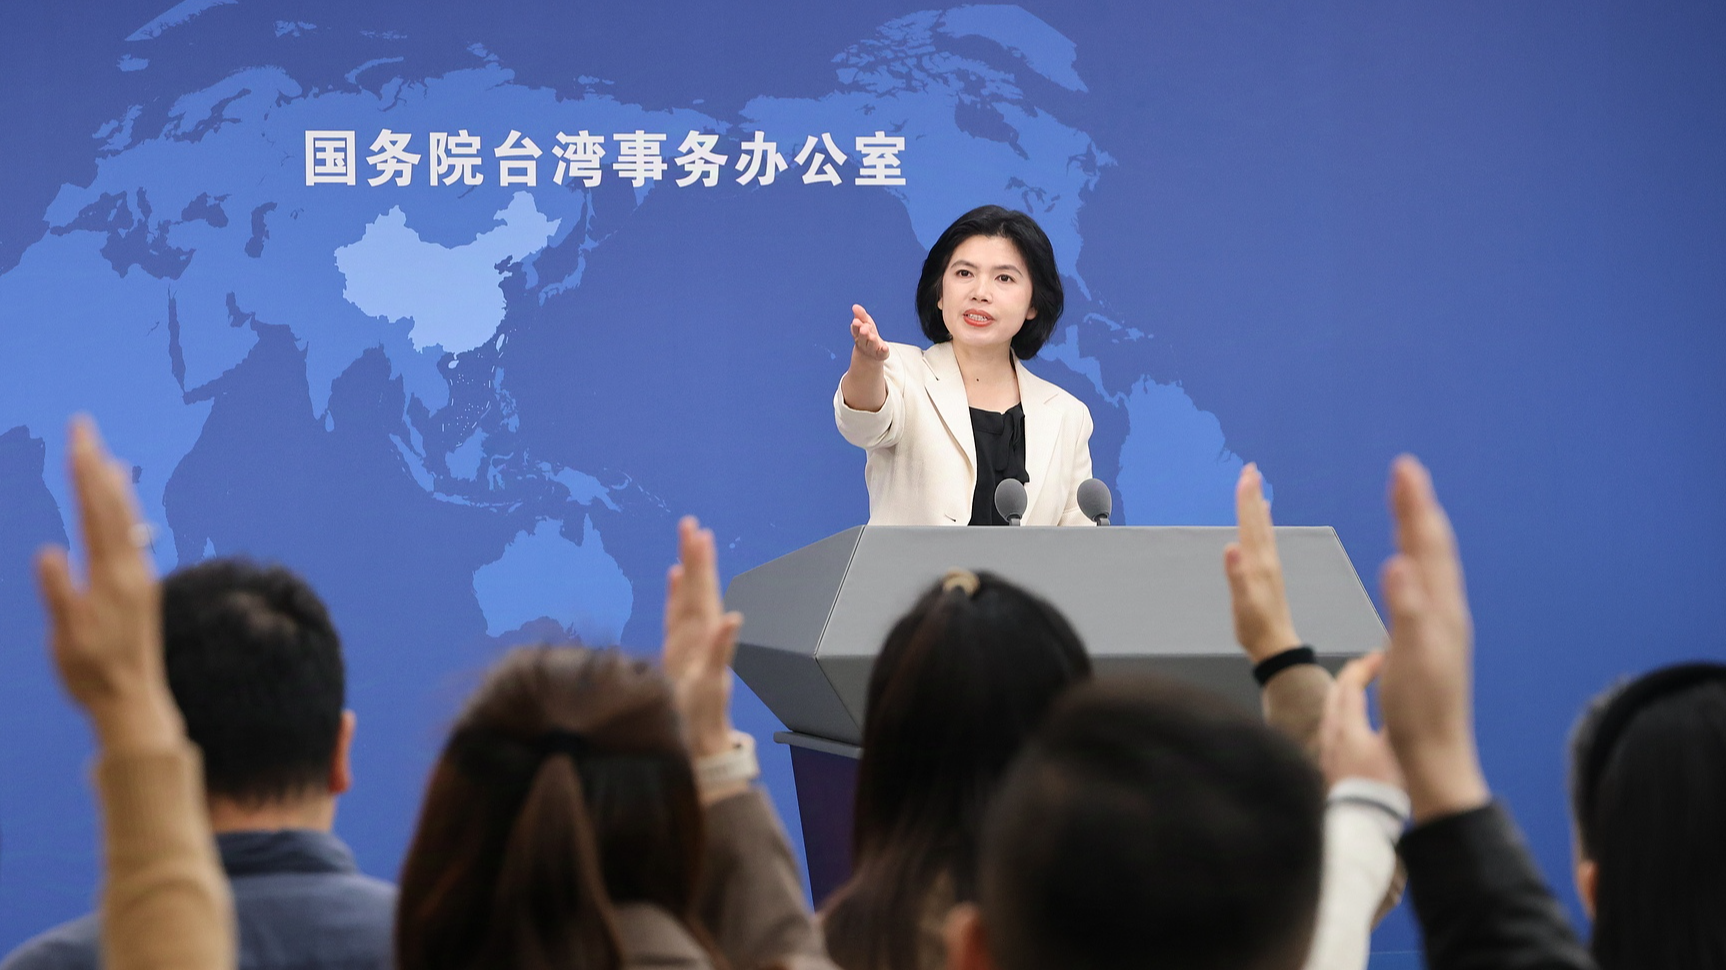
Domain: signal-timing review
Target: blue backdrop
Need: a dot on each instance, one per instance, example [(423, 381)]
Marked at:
[(1309, 236)]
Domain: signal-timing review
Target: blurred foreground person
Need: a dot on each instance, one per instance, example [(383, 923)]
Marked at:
[(164, 904), (1366, 808), (590, 811), (1648, 795), (1480, 900), (962, 679), (255, 667), (1148, 824)]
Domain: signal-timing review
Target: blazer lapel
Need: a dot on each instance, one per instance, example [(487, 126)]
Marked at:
[(947, 390), (1042, 427)]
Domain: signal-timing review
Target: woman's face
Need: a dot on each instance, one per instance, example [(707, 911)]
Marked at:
[(985, 293)]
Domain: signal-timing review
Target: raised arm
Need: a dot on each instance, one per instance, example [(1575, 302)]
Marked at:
[(1364, 816), (864, 386), (751, 899), (165, 903), (1293, 698), (1480, 899)]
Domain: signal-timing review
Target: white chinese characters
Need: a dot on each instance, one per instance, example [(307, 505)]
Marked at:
[(760, 161), (392, 159), (880, 165), (578, 157), (329, 157), (455, 158), (516, 165), (637, 157), (824, 166)]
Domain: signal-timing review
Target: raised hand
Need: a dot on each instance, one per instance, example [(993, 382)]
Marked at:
[(1263, 625), (1426, 685), (700, 640), (1348, 746), (106, 637), (866, 336)]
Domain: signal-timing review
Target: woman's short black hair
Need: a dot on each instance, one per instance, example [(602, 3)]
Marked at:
[(1047, 298), (1648, 792)]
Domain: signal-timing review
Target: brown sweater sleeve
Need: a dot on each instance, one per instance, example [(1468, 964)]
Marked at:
[(165, 903), (751, 899)]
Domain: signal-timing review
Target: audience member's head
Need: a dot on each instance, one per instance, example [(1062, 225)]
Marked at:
[(255, 667), (565, 788), (961, 681), (1648, 792), (1148, 824)]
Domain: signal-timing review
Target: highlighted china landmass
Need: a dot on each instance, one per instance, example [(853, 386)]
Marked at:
[(450, 293)]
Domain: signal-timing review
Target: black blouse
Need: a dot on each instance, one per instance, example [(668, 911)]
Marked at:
[(1000, 441)]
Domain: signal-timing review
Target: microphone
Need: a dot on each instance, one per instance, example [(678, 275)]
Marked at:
[(1010, 500), (1094, 501)]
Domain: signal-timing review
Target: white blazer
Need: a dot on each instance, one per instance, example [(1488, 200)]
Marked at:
[(922, 464)]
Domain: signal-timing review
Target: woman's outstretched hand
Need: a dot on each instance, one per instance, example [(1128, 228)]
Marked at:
[(866, 335), (864, 387), (700, 640)]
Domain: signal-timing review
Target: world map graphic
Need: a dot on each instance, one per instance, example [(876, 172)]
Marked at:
[(472, 413)]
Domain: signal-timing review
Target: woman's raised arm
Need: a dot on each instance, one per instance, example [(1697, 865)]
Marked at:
[(864, 386)]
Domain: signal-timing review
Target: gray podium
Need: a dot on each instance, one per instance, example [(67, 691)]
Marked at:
[(1148, 599)]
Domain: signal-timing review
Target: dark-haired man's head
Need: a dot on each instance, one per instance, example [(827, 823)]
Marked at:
[(1148, 824), (256, 668), (1648, 796), (961, 681)]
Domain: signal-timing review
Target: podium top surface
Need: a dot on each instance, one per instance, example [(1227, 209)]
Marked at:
[(1141, 598), (1129, 590)]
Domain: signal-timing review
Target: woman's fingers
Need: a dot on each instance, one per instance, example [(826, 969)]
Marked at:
[(866, 335), (1252, 512), (97, 513), (700, 637), (1359, 672), (725, 641), (59, 593)]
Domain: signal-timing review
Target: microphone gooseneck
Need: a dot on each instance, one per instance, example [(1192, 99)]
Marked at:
[(1095, 501), (1010, 500)]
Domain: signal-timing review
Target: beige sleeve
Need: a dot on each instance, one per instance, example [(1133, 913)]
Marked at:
[(165, 903), (877, 429), (751, 899)]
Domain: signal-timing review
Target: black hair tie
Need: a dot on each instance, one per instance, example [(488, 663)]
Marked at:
[(559, 741), (1276, 663), (484, 749)]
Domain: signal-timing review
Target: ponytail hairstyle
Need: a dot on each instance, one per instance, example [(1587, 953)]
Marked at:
[(958, 687), (564, 791)]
